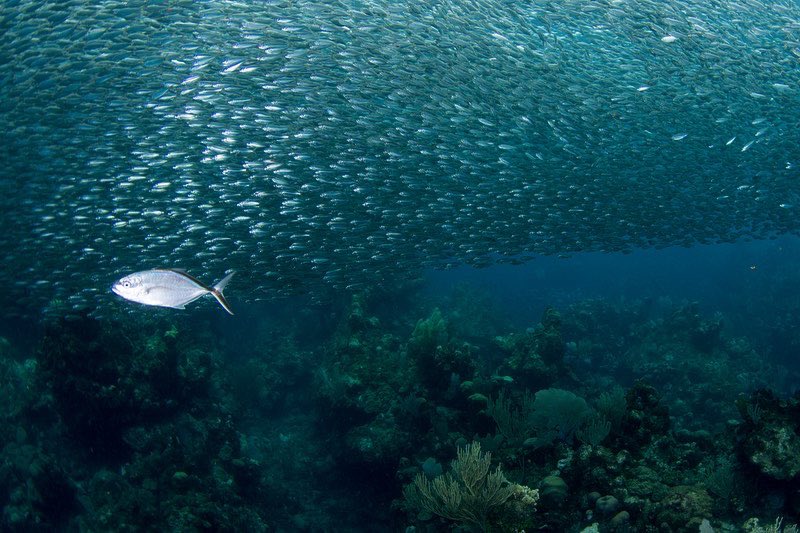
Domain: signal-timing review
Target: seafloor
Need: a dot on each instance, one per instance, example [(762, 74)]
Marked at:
[(611, 415)]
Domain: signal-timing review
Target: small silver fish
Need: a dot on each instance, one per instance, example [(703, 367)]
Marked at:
[(167, 287)]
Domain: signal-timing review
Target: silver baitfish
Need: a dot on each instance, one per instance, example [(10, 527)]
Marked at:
[(321, 147), (166, 287)]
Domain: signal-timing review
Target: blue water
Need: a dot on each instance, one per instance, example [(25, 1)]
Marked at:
[(720, 278), (334, 154), (339, 394)]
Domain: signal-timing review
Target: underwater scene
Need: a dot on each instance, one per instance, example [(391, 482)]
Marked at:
[(400, 265)]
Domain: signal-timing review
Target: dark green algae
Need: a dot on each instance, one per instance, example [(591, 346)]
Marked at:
[(320, 418)]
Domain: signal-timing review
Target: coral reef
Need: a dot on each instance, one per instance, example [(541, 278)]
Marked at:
[(625, 416), (469, 493)]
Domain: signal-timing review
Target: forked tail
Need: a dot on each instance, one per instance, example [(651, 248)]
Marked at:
[(217, 289)]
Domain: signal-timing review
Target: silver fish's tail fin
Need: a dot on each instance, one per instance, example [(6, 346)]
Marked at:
[(216, 292), (223, 282)]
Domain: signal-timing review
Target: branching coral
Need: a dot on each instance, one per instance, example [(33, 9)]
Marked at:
[(514, 423), (469, 493), (549, 415)]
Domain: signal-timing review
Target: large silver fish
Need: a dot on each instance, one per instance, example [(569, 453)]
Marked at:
[(165, 287)]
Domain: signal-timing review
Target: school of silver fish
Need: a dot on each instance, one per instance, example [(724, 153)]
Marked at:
[(311, 144)]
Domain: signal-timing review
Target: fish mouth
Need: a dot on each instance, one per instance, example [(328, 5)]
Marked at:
[(115, 289)]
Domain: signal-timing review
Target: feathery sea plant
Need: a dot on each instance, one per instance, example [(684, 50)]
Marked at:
[(548, 415), (595, 431), (514, 423), (612, 405), (469, 493)]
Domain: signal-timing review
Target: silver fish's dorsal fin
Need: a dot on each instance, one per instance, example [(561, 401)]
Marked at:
[(189, 277)]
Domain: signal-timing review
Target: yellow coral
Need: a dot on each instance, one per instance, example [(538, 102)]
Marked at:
[(469, 492)]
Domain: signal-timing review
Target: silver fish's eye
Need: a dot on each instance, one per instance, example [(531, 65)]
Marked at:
[(126, 284)]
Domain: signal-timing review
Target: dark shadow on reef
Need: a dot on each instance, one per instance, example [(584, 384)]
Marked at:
[(398, 414)]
